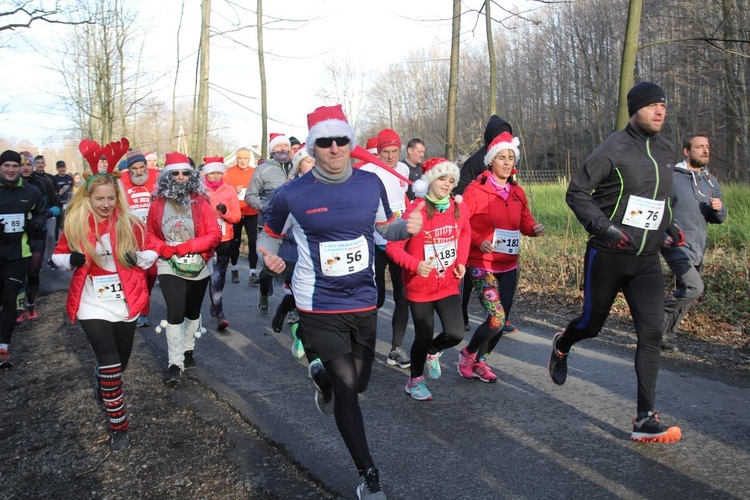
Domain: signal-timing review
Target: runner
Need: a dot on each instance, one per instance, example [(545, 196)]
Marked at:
[(23, 215), (105, 244), (332, 211), (182, 229), (499, 216), (433, 264)]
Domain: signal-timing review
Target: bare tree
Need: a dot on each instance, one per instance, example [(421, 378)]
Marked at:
[(450, 126), (201, 112), (262, 74)]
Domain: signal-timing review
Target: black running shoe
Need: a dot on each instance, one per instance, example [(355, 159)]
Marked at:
[(648, 429), (189, 360), (369, 486), (277, 323), (557, 367), (173, 376), (323, 390), (119, 441), (235, 276)]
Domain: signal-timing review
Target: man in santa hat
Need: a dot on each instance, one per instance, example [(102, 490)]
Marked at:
[(331, 213)]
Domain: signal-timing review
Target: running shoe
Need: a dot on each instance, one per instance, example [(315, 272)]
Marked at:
[(416, 388), (253, 279), (323, 390), (293, 317), (298, 350), (221, 322), (262, 304), (369, 486), (648, 429), (235, 276), (432, 366), (557, 368), (173, 376), (483, 373), (277, 323), (142, 321), (31, 312), (509, 328), (189, 362), (119, 441), (21, 316), (397, 357), (466, 363), (5, 361), (52, 265)]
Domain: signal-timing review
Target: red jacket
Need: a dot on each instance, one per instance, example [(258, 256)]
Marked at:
[(133, 280), (489, 212), (207, 231), (442, 229), (227, 195)]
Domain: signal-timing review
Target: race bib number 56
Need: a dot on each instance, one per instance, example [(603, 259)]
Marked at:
[(339, 258)]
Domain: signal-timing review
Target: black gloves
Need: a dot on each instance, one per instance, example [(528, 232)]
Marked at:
[(615, 238), (221, 208), (2, 230), (678, 237), (77, 259), (131, 258), (35, 229)]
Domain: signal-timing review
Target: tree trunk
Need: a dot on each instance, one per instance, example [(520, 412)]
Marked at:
[(202, 111), (491, 56), (262, 71), (629, 53), (450, 127)]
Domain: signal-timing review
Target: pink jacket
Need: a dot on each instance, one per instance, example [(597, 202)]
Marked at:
[(227, 195)]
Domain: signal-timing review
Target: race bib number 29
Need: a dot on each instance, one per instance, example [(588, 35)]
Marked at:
[(339, 258)]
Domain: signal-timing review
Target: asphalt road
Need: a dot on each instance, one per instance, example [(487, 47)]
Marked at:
[(522, 437)]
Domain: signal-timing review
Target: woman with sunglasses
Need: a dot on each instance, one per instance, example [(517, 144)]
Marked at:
[(499, 216), (106, 246), (433, 264), (183, 230), (223, 198)]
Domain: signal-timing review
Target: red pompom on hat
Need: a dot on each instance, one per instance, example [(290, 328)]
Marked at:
[(276, 139), (433, 169), (387, 138), (328, 121), (372, 145), (500, 143), (213, 164), (176, 161)]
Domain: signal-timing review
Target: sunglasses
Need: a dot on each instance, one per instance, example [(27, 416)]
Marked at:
[(177, 173), (327, 142)]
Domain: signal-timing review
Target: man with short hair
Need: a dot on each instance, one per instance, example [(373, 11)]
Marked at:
[(620, 195), (389, 150), (696, 202), (23, 214), (239, 177), (40, 164), (138, 183), (331, 211), (415, 151), (294, 145), (64, 187), (274, 172)]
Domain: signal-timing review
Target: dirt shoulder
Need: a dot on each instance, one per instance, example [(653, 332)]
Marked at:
[(186, 442)]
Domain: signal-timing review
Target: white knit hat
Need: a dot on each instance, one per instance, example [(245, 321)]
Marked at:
[(433, 169), (300, 155), (328, 121), (213, 164), (500, 143)]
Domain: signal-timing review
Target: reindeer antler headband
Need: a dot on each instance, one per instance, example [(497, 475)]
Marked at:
[(113, 152)]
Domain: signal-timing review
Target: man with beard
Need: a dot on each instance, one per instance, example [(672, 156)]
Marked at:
[(138, 183), (37, 245), (274, 172), (696, 202)]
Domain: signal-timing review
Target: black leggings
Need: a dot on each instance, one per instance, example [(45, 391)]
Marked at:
[(250, 223), (423, 314), (12, 274), (400, 318), (183, 297), (219, 275), (642, 283), (112, 342), (35, 266)]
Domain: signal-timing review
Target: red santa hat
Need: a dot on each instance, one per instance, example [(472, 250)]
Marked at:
[(372, 145), (387, 138), (300, 155), (500, 143), (176, 161), (433, 169), (276, 139), (328, 121), (213, 164)]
